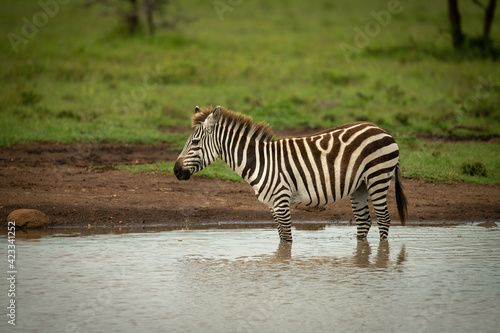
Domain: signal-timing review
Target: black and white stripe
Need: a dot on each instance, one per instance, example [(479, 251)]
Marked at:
[(356, 160)]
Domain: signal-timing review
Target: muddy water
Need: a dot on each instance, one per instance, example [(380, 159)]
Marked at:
[(425, 279)]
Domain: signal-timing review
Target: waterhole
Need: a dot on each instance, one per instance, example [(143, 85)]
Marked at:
[(424, 279)]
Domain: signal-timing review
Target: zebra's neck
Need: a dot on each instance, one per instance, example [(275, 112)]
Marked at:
[(241, 147)]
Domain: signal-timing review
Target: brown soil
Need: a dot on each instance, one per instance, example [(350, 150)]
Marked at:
[(57, 180)]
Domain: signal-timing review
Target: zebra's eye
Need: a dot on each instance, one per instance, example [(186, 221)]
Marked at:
[(196, 141)]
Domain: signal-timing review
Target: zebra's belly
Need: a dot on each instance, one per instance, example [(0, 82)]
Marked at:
[(312, 199), (305, 194)]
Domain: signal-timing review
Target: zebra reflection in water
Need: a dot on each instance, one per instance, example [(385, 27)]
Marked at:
[(356, 160), (362, 257)]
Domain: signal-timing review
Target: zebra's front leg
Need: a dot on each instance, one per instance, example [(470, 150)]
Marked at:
[(281, 215)]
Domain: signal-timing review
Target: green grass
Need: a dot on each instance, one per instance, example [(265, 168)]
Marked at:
[(444, 162), (79, 79), (217, 170)]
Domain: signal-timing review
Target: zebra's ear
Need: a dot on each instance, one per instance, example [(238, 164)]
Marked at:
[(213, 118), (216, 114), (197, 109)]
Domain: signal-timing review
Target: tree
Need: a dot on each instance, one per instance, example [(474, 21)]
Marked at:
[(456, 24), (132, 11), (458, 37), (488, 19)]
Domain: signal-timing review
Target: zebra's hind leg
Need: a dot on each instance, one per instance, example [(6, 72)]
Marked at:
[(359, 202), (281, 215), (378, 196)]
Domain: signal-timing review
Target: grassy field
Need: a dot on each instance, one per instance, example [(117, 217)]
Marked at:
[(75, 77)]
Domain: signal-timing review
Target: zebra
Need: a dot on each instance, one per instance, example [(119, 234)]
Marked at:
[(356, 160)]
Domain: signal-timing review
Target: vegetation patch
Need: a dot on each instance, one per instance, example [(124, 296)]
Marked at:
[(474, 169), (217, 170), (444, 161)]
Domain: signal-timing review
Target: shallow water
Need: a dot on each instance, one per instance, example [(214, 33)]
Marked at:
[(424, 279)]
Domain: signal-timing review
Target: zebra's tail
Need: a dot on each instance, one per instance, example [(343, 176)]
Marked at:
[(400, 197)]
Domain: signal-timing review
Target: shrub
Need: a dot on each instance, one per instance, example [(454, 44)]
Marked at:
[(474, 169), (30, 97)]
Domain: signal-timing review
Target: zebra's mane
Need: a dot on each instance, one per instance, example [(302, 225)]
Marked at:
[(265, 130)]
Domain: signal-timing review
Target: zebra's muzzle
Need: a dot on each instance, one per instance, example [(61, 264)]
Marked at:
[(180, 172)]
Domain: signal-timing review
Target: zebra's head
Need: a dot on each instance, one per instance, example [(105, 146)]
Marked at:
[(201, 147)]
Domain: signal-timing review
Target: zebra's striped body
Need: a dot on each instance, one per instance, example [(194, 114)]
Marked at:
[(355, 160)]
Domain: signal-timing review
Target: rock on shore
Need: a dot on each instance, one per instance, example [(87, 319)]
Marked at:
[(29, 218)]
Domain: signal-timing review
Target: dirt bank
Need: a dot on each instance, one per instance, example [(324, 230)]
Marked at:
[(57, 179)]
